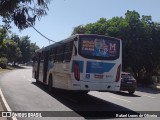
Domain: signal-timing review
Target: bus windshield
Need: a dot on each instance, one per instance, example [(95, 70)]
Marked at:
[(97, 47)]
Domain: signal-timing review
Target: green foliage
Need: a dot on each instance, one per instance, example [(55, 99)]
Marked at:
[(12, 51), (140, 38), (3, 34), (79, 30), (22, 12), (16, 49), (33, 48), (26, 47), (3, 62)]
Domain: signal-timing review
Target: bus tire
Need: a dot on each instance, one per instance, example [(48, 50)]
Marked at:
[(50, 81), (35, 76), (37, 81), (131, 92), (82, 92)]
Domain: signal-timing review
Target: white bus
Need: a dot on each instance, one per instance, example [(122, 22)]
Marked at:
[(82, 62)]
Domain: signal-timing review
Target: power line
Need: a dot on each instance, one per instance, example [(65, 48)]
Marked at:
[(41, 34)]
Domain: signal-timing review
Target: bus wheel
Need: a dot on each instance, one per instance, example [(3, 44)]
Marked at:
[(37, 82), (131, 92), (35, 76), (50, 84), (82, 92)]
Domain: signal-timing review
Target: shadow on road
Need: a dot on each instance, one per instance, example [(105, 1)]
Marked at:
[(148, 90), (87, 106), (122, 93)]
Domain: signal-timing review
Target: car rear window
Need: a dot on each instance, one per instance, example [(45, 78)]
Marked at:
[(126, 76)]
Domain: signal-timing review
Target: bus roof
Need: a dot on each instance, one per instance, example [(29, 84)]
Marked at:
[(57, 43), (69, 39)]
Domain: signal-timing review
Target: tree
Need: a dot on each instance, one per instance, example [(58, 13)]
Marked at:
[(11, 50), (15, 38), (79, 30), (16, 49), (22, 12), (25, 49), (33, 48), (3, 34)]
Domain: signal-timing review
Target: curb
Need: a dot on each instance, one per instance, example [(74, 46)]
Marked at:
[(2, 109), (5, 107)]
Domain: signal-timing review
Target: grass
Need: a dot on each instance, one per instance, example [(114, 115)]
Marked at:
[(9, 67)]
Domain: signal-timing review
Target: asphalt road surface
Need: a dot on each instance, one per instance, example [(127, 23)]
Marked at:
[(22, 94)]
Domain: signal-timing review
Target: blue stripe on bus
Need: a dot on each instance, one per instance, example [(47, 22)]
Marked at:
[(80, 65), (98, 67)]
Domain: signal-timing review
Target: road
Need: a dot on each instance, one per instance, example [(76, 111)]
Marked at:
[(22, 94)]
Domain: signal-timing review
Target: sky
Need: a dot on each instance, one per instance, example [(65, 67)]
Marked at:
[(64, 15)]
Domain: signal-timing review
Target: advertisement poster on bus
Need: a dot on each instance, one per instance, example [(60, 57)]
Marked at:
[(99, 47)]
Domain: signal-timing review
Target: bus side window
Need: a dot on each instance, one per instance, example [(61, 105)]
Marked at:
[(68, 51), (42, 57), (59, 55), (50, 55), (53, 54)]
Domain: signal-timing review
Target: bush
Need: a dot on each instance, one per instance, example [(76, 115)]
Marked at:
[(3, 62)]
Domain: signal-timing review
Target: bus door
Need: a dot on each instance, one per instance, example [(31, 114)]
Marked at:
[(45, 66), (38, 66)]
